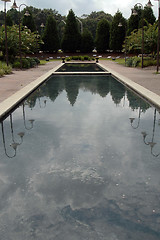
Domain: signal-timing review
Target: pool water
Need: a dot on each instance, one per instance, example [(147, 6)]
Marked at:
[(82, 169), (80, 67)]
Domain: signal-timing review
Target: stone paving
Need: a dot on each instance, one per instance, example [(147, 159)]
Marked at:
[(10, 84), (146, 77)]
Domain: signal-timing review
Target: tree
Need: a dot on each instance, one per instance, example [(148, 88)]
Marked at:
[(90, 21), (87, 43), (29, 21), (9, 21), (50, 37), (102, 35), (134, 20), (29, 42), (72, 38), (134, 41), (117, 36), (148, 15), (14, 15)]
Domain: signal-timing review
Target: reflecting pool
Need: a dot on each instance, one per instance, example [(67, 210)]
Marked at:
[(79, 159), (80, 67)]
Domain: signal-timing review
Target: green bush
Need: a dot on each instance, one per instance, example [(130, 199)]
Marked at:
[(87, 58), (150, 62), (68, 59), (16, 64), (32, 62), (36, 60), (129, 62), (133, 62), (4, 69), (81, 58), (1, 72), (25, 63), (75, 57)]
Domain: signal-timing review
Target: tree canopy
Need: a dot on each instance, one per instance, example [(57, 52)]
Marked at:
[(71, 39), (117, 33), (102, 35), (50, 36)]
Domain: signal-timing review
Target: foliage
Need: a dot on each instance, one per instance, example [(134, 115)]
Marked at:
[(50, 37), (26, 63), (4, 69), (134, 41), (149, 62), (9, 21), (102, 35), (29, 21), (135, 21), (133, 62), (136, 61), (90, 21), (87, 43), (117, 33), (29, 41), (14, 15), (72, 38), (81, 58), (148, 15)]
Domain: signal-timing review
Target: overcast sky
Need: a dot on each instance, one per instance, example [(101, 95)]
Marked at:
[(86, 7)]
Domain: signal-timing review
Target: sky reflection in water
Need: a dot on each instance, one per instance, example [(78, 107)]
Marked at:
[(83, 170)]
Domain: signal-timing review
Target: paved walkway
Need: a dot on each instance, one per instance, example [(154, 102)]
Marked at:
[(146, 77), (10, 84)]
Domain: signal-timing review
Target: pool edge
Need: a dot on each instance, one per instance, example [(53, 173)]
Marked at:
[(7, 105), (153, 98)]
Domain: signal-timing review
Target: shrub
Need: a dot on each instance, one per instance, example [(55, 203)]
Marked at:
[(81, 58), (87, 58), (16, 64), (4, 69), (36, 60), (68, 59), (129, 62), (32, 62), (75, 57), (133, 62), (150, 62), (1, 72), (25, 63)]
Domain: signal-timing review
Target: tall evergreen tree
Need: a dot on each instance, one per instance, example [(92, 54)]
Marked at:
[(9, 21), (50, 37), (28, 20), (134, 20), (117, 34), (87, 43), (72, 38), (148, 15), (102, 35)]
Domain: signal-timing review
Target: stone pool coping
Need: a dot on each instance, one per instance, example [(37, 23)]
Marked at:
[(7, 105), (148, 95), (11, 102)]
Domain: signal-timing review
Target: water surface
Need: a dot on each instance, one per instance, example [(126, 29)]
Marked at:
[(84, 169)]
